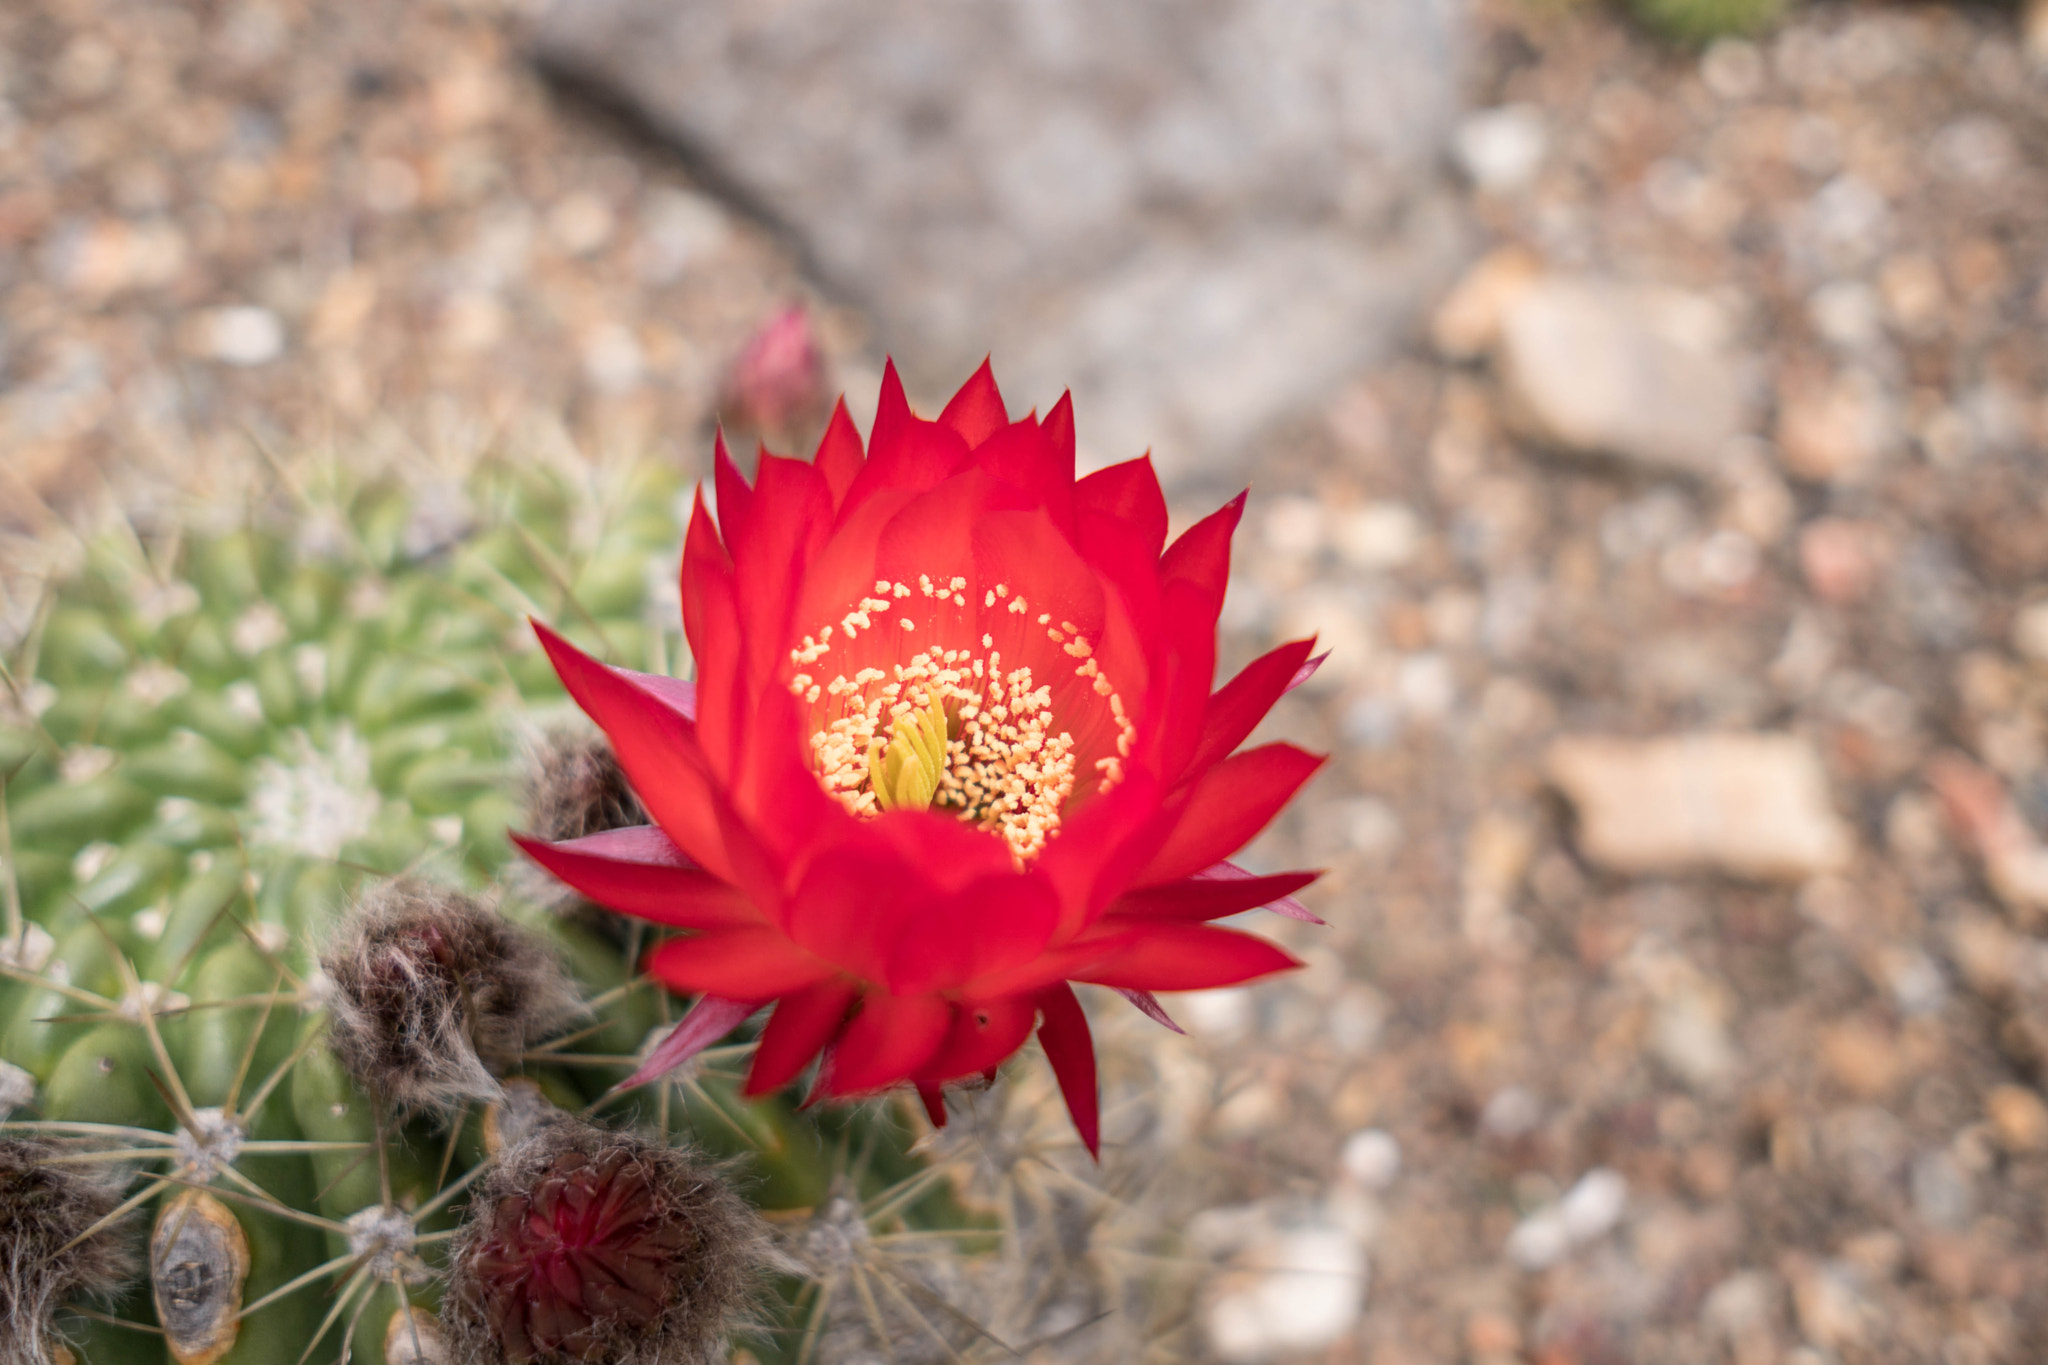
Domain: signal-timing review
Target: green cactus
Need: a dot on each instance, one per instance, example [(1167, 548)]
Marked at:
[(1701, 21), (212, 743)]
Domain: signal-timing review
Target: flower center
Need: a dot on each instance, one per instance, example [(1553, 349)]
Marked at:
[(947, 711)]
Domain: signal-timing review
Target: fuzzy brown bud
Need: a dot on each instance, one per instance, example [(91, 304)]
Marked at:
[(44, 1209), (589, 1246), (575, 787), (435, 996)]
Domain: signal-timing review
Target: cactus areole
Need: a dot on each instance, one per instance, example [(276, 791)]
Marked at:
[(951, 747)]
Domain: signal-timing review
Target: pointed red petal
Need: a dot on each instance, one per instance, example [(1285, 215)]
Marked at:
[(1128, 494), (1307, 670), (1226, 806), (1240, 704), (934, 1104), (1059, 434), (679, 693), (977, 412), (753, 964), (984, 1035), (1188, 957), (1071, 1050), (655, 745), (803, 1022), (839, 456), (640, 871), (735, 499), (1201, 555), (792, 517), (1148, 1004), (1211, 894), (890, 1040), (1285, 905), (711, 1018)]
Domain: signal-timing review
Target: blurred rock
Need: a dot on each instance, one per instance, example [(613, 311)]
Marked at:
[(1199, 219), (1751, 805), (1591, 1209), (1286, 1289), (1838, 559), (1372, 1157), (1466, 325), (241, 336), (1501, 150), (1983, 814), (2018, 1117), (2034, 31), (2030, 631), (1601, 369), (1835, 430)]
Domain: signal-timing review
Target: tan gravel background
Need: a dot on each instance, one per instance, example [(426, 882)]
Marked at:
[(1715, 1034)]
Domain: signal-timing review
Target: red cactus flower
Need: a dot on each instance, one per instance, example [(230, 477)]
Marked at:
[(950, 748)]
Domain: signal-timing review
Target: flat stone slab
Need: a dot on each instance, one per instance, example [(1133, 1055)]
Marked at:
[(1750, 805), (1197, 215), (1637, 374)]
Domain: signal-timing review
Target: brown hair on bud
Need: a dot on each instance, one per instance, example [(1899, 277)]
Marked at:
[(589, 1246), (575, 786), (44, 1210), (435, 996)]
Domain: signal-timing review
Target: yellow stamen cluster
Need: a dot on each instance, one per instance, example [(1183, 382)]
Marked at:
[(951, 728)]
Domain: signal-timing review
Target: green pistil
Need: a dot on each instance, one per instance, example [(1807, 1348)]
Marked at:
[(906, 775)]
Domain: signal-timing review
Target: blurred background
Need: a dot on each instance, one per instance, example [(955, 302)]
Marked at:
[(1645, 403)]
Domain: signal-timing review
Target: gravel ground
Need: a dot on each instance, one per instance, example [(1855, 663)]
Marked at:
[(1709, 1049), (1686, 992)]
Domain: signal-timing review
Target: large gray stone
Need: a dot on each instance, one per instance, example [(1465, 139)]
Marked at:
[(1197, 213)]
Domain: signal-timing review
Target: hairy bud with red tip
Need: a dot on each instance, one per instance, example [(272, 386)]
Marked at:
[(589, 1246)]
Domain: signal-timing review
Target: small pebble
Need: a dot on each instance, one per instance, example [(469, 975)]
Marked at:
[(1372, 1157)]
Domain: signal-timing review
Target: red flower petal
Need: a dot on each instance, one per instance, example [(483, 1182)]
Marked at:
[(655, 745), (710, 1019), (984, 1035), (746, 964), (1020, 457), (839, 456), (976, 412), (803, 1023), (1188, 957), (640, 871), (1240, 704), (680, 694), (711, 619), (1286, 906), (904, 450), (1129, 495), (1226, 806), (890, 1040), (993, 924), (769, 557), (1206, 896), (1064, 1036), (1202, 554), (1148, 1005), (735, 498), (1059, 435)]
